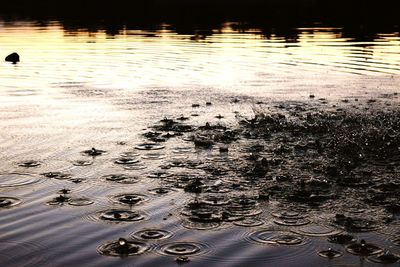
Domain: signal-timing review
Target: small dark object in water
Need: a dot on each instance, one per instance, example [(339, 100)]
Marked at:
[(195, 105), (14, 58), (208, 103), (219, 116), (311, 96), (182, 259), (330, 253)]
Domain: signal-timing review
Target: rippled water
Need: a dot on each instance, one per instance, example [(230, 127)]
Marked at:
[(75, 90)]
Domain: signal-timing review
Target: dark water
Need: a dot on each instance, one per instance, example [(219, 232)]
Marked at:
[(103, 84)]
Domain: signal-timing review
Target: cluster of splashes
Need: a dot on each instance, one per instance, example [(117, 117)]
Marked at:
[(287, 174)]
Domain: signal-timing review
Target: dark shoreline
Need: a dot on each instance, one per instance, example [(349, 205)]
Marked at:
[(357, 13)]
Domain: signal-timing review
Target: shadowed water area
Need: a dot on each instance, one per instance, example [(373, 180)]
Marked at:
[(163, 142)]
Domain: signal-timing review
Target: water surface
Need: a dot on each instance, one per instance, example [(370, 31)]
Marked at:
[(78, 88)]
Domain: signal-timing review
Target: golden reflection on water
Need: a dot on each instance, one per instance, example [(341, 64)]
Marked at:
[(227, 58)]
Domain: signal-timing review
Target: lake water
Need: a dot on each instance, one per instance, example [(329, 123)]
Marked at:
[(77, 88)]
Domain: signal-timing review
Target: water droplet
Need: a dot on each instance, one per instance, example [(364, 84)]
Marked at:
[(121, 216), (363, 249), (149, 146), (330, 253), (123, 247)]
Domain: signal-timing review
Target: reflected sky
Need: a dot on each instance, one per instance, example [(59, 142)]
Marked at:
[(225, 57)]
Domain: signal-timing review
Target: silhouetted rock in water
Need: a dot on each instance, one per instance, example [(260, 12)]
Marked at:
[(14, 58)]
